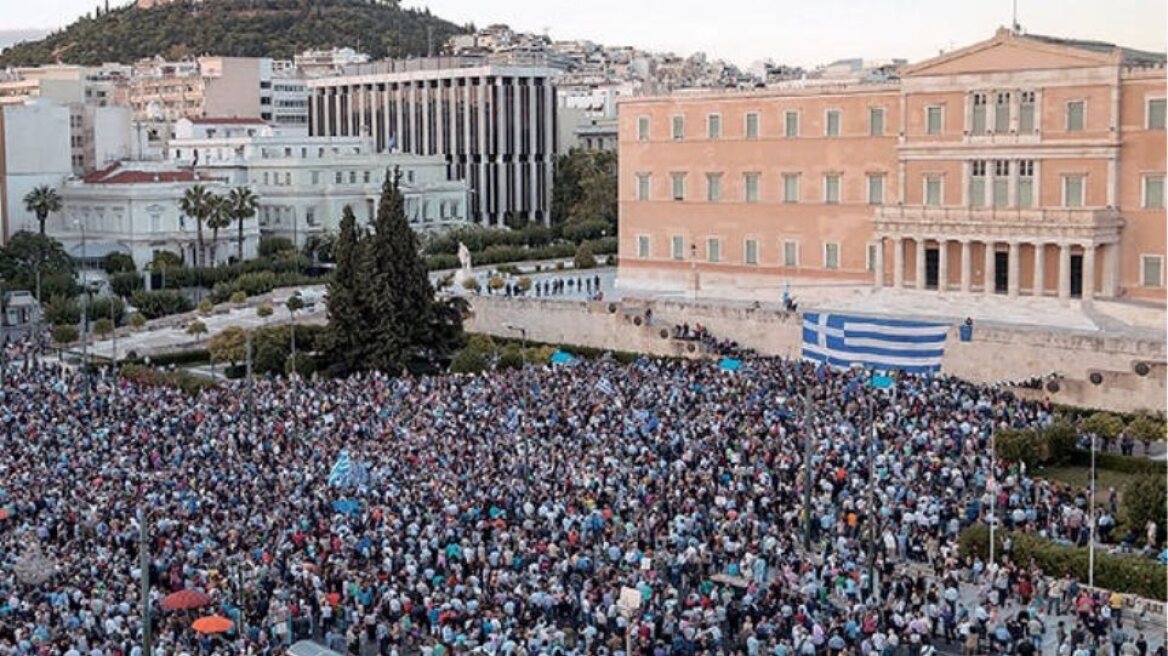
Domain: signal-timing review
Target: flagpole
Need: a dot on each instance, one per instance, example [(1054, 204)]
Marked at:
[(993, 491)]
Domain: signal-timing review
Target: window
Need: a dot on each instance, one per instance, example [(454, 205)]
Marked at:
[(1075, 111), (933, 190), (790, 187), (831, 255), (1152, 270), (678, 180), (714, 249), (1001, 183), (876, 121), (1156, 114), (791, 123), (713, 187), (643, 186), (352, 177), (876, 189), (979, 114), (790, 254), (340, 177), (643, 246), (977, 190), (1073, 191), (267, 178), (316, 177), (832, 123), (1026, 112), (1025, 183), (677, 245), (714, 126), (1002, 112), (831, 189), (933, 120), (366, 177), (752, 125), (1154, 192), (750, 252), (678, 128), (871, 261), (642, 128), (750, 182)]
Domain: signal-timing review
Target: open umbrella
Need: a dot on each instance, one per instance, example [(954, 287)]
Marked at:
[(4, 513), (212, 624), (185, 600)]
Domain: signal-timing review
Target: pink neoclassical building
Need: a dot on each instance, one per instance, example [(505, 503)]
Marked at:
[(1021, 165)]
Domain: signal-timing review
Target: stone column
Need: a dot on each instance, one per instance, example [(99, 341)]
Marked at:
[(988, 277), (966, 266), (399, 104), (1064, 279), (1088, 271), (1111, 270), (942, 265), (1039, 269), (425, 100), (1014, 269), (920, 257), (898, 262), (878, 264)]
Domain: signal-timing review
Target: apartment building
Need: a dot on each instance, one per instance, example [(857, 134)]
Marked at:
[(1020, 165), (493, 125)]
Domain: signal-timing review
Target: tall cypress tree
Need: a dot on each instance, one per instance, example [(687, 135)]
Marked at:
[(349, 327), (400, 293)]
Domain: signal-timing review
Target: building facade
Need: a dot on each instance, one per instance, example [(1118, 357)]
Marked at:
[(34, 151), (493, 125), (1021, 165)]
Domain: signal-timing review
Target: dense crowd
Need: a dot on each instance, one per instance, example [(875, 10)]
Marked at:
[(506, 512)]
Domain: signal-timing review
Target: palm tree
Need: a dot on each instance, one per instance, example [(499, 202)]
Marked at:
[(244, 204), (219, 218), (197, 202), (42, 201)]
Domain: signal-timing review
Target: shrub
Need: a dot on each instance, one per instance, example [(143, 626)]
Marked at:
[(62, 310), (1104, 424), (264, 311), (65, 334), (539, 354), (471, 284), (1060, 441), (496, 282), (584, 230), (1146, 430), (611, 260), (468, 361), (160, 303), (1019, 445), (271, 246), (442, 261), (584, 258), (1145, 499), (181, 380), (446, 281), (1127, 574), (103, 327), (511, 358), (196, 329), (119, 263), (481, 343), (105, 307), (206, 307), (238, 298), (301, 363), (137, 320), (126, 283), (524, 284), (229, 345)]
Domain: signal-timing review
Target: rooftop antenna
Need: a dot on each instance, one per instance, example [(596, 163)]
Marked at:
[(1017, 27)]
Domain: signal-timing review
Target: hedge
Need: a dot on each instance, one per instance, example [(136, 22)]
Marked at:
[(1116, 462), (1127, 574), (178, 358), (260, 282), (182, 380)]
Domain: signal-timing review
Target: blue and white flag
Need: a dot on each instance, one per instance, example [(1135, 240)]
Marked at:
[(605, 386), (882, 344), (342, 472)]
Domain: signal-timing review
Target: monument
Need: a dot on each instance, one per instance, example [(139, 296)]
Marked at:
[(464, 272)]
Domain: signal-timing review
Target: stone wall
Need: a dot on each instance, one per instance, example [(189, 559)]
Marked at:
[(996, 353)]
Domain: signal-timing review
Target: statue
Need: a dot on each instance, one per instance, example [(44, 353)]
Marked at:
[(464, 272)]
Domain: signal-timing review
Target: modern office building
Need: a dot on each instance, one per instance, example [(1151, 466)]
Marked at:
[(493, 125), (34, 152), (1020, 165)]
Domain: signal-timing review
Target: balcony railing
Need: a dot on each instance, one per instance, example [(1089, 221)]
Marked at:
[(1052, 224)]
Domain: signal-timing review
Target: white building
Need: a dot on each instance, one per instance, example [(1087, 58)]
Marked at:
[(304, 183), (34, 151), (319, 63), (134, 208)]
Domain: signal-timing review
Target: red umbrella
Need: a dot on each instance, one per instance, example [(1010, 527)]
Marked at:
[(185, 600), (212, 624)]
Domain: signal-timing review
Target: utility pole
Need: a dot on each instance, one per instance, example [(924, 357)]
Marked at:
[(1091, 514), (806, 470), (144, 565)]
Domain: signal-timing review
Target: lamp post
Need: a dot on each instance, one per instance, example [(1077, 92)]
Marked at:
[(521, 330), (144, 566), (693, 268), (993, 487), (84, 310), (807, 442), (1091, 515)]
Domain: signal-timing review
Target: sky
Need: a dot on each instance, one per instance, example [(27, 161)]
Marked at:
[(743, 31)]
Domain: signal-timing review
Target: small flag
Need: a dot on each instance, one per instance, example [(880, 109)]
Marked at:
[(342, 471), (605, 386)]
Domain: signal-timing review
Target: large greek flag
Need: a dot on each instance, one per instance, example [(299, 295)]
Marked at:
[(342, 471), (882, 344)]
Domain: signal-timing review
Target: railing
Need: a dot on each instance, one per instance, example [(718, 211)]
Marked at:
[(1078, 217)]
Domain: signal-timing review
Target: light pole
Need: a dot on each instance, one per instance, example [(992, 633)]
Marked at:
[(1091, 514), (144, 566), (521, 330), (993, 487), (806, 470), (693, 268), (84, 310)]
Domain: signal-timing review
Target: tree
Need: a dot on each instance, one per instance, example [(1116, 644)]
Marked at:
[(243, 205), (471, 285), (62, 311), (103, 327), (25, 254), (198, 203), (65, 334), (294, 305), (196, 329), (229, 345), (264, 311), (206, 307), (585, 187), (1018, 445), (1104, 425), (137, 320), (219, 218), (1146, 499), (1146, 430), (348, 325), (42, 201), (584, 258), (119, 263), (238, 298)]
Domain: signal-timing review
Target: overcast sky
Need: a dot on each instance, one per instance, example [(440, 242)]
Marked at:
[(743, 31)]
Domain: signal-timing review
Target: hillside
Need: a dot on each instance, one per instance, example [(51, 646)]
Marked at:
[(241, 28)]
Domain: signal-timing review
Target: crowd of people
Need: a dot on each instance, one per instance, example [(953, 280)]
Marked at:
[(514, 512)]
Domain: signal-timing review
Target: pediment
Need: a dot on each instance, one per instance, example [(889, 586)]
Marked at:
[(1009, 52)]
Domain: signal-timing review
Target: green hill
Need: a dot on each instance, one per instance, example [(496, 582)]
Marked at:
[(240, 28)]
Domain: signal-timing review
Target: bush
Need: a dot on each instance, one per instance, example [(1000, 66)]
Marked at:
[(524, 284), (119, 263), (302, 363), (137, 320), (611, 260), (539, 354), (584, 258), (264, 311), (238, 298), (103, 327), (584, 230), (471, 284), (196, 329), (496, 282), (1060, 441), (229, 345), (511, 358), (1146, 429), (124, 284), (65, 334), (1127, 574), (106, 307), (62, 310), (468, 361), (182, 380), (206, 307), (482, 343), (1018, 445), (442, 261), (160, 303), (1104, 424), (272, 246), (1145, 499)]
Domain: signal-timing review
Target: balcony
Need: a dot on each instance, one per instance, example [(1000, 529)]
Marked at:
[(1090, 225)]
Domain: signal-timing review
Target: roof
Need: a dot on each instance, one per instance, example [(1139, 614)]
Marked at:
[(1131, 56), (217, 120), (115, 174)]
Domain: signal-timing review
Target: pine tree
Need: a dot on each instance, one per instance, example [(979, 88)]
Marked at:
[(348, 324)]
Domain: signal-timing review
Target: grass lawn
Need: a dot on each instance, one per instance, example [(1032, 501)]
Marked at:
[(1081, 477)]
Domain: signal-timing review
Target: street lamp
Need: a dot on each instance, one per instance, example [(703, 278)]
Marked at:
[(693, 267), (519, 329), (84, 308)]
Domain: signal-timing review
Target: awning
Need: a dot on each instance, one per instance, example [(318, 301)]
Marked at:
[(97, 249)]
